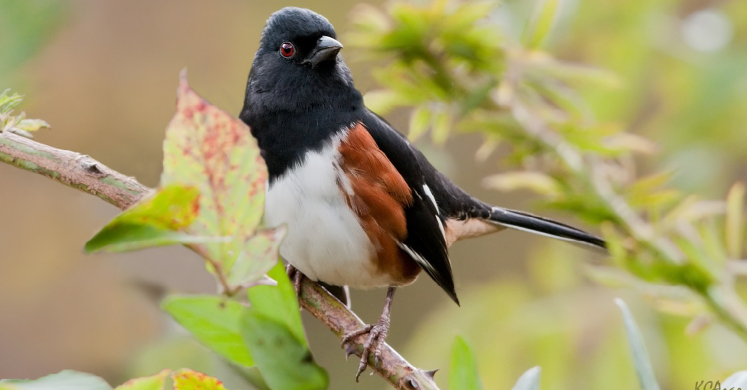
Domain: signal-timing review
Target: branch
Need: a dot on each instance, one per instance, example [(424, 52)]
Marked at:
[(72, 169), (90, 176)]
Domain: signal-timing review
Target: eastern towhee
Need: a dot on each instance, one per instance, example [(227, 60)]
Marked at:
[(363, 207)]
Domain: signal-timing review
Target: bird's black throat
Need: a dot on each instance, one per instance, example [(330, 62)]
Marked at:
[(288, 123), (291, 106)]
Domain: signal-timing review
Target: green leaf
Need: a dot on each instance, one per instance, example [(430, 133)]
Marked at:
[(186, 379), (734, 220), (530, 380), (541, 23), (260, 254), (463, 369), (642, 363), (64, 380), (284, 361), (207, 148), (279, 303), (152, 221), (512, 181), (441, 127), (214, 321), (153, 382), (32, 125), (419, 120)]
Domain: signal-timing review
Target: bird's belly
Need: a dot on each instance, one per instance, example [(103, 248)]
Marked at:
[(325, 241)]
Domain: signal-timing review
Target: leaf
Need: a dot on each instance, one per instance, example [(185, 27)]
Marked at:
[(207, 148), (284, 361), (32, 125), (419, 120), (530, 380), (260, 254), (187, 379), (441, 127), (152, 221), (383, 101), (641, 361), (214, 321), (541, 23), (153, 382), (64, 380), (735, 221), (463, 369), (737, 380), (512, 181), (279, 303)]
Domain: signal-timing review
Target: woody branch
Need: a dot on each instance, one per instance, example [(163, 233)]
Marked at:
[(88, 175)]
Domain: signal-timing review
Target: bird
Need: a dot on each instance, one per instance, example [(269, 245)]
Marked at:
[(363, 207)]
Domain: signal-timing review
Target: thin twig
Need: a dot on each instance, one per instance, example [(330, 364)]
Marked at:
[(90, 176)]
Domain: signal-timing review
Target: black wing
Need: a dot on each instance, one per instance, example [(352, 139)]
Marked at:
[(425, 241)]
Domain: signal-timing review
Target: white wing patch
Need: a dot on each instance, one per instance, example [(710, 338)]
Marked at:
[(441, 226), (417, 257), (438, 212), (430, 196)]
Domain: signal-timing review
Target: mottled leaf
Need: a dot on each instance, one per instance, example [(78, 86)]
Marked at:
[(641, 361), (153, 382), (463, 369), (260, 254), (153, 221), (64, 380), (214, 321), (207, 148), (187, 379), (284, 361)]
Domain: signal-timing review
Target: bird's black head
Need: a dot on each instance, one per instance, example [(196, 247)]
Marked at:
[(297, 65), (299, 89)]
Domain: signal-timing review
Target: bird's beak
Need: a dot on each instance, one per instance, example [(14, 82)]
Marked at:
[(326, 49)]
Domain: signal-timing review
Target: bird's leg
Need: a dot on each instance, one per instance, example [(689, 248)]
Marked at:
[(376, 335), (296, 277)]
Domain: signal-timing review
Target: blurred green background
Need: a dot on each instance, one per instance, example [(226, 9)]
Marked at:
[(103, 74)]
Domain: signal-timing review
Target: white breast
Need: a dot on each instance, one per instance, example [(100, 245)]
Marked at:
[(325, 241)]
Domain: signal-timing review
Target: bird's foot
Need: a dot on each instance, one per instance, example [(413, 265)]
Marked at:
[(376, 339), (296, 277)]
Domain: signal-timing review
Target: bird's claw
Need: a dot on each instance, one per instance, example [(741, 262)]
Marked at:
[(376, 337)]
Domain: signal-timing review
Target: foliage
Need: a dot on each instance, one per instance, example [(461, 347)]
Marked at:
[(642, 363), (153, 221), (463, 368), (183, 379), (211, 198), (16, 123), (458, 69)]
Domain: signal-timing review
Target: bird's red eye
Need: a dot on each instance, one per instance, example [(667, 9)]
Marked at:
[(287, 49)]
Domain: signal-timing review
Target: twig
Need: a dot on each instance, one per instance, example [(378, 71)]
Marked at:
[(393, 367), (722, 300), (90, 176), (70, 168)]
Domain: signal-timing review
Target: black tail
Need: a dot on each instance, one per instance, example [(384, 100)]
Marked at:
[(543, 226)]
